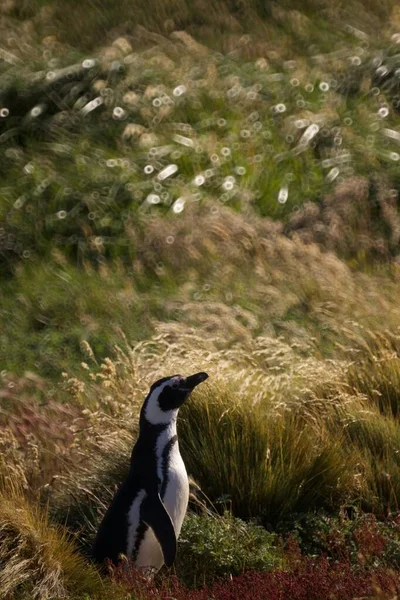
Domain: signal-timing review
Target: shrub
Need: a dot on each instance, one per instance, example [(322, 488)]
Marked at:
[(310, 579), (212, 546), (350, 536), (313, 579)]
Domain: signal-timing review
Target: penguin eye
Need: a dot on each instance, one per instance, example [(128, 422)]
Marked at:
[(175, 386)]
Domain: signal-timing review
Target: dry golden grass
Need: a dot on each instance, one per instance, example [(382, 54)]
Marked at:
[(286, 286), (38, 560)]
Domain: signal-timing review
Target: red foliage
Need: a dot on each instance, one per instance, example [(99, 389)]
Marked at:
[(314, 580), (337, 545), (309, 579), (371, 543)]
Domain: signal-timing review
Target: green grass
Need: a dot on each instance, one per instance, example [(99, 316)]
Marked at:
[(50, 309), (378, 379)]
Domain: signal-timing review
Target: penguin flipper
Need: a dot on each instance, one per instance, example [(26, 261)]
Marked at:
[(155, 515)]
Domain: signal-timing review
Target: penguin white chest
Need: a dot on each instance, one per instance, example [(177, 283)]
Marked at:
[(172, 474), (176, 494)]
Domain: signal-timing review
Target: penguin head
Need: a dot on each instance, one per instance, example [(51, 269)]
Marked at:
[(167, 395)]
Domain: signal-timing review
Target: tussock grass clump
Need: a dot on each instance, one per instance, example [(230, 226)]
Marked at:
[(272, 435), (38, 560), (378, 472), (261, 462), (116, 389), (375, 431)]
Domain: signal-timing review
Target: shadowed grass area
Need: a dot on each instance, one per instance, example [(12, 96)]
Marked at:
[(378, 378), (377, 441), (48, 310)]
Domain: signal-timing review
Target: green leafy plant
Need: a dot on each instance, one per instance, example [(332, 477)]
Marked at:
[(213, 546)]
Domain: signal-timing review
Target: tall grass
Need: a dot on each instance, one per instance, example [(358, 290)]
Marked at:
[(268, 438), (39, 560), (262, 463), (268, 446), (91, 215), (375, 440), (378, 377)]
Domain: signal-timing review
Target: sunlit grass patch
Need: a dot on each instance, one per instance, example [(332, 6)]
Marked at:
[(38, 560), (378, 378)]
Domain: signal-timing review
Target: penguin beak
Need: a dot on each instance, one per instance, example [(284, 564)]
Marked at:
[(191, 382)]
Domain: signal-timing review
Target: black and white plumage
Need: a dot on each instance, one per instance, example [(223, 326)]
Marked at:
[(145, 517)]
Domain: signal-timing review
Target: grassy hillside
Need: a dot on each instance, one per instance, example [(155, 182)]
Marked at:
[(101, 150), (202, 186)]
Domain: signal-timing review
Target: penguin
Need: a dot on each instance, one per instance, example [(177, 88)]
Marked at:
[(146, 514)]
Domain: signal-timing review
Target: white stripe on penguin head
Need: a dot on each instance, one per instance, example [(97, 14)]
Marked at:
[(153, 412)]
